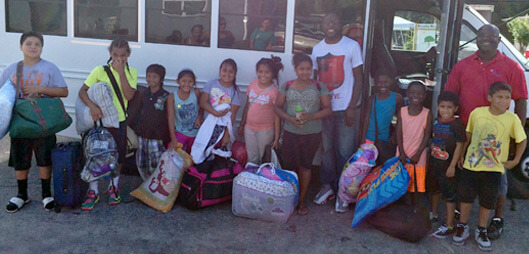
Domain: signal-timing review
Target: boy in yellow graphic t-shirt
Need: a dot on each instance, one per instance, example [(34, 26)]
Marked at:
[(489, 131)]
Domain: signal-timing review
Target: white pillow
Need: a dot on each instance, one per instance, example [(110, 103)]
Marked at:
[(101, 94), (7, 102)]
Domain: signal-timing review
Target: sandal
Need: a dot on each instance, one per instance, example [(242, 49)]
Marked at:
[(15, 204), (48, 203), (303, 210)]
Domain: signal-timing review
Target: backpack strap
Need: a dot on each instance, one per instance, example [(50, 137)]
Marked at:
[(288, 84), (20, 67), (116, 88), (315, 82)]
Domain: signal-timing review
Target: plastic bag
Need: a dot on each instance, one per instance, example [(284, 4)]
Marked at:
[(161, 189), (354, 172)]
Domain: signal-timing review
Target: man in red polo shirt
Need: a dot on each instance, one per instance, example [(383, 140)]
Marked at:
[(470, 80)]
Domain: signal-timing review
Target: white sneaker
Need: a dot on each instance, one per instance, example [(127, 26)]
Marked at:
[(443, 232), (483, 240), (326, 193), (340, 206), (462, 233)]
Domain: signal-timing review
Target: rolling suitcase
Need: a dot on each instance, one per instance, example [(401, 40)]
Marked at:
[(68, 188)]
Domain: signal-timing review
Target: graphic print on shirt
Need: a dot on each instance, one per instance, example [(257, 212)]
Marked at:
[(263, 98), (219, 96), (33, 78), (188, 114), (489, 148), (306, 98), (438, 145), (330, 70), (160, 103)]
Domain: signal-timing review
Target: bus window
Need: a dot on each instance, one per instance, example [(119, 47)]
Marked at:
[(106, 19), (414, 31), (46, 16), (253, 25), (308, 16), (184, 22)]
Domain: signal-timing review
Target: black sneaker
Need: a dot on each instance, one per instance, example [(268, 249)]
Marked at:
[(483, 240), (495, 228)]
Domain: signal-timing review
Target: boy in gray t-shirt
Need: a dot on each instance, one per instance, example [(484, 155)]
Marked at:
[(39, 77)]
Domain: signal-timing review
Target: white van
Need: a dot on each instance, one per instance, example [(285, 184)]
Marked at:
[(414, 38)]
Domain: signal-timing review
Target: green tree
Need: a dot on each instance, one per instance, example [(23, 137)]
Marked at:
[(519, 28)]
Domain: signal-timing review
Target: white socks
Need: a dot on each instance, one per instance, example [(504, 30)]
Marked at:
[(94, 184), (115, 180)]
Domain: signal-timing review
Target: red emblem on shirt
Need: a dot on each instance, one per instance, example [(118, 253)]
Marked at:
[(330, 70)]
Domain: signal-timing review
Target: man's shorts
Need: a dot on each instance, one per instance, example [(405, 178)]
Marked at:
[(22, 149), (483, 184)]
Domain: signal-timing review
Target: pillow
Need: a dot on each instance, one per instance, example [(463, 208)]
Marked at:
[(101, 94), (7, 102), (383, 186)]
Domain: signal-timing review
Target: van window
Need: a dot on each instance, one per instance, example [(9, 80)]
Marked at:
[(106, 19), (178, 21), (45, 16), (308, 16), (253, 25), (414, 31), (467, 42)]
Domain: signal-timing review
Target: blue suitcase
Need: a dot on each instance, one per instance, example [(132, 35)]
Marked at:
[(68, 188)]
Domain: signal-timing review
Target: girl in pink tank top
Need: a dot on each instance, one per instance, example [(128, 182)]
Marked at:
[(414, 129)]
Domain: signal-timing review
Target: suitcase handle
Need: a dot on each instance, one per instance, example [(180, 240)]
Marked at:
[(64, 181), (268, 164)]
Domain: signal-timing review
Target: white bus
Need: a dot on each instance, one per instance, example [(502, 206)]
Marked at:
[(78, 32)]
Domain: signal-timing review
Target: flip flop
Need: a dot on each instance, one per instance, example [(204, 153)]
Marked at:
[(18, 202), (46, 201)]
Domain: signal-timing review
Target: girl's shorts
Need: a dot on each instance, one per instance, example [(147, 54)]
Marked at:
[(120, 136), (185, 140), (299, 150)]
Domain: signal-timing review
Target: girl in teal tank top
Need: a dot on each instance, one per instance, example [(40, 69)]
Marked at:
[(185, 116)]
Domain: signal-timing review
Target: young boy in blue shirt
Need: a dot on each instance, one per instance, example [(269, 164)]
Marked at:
[(446, 146)]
